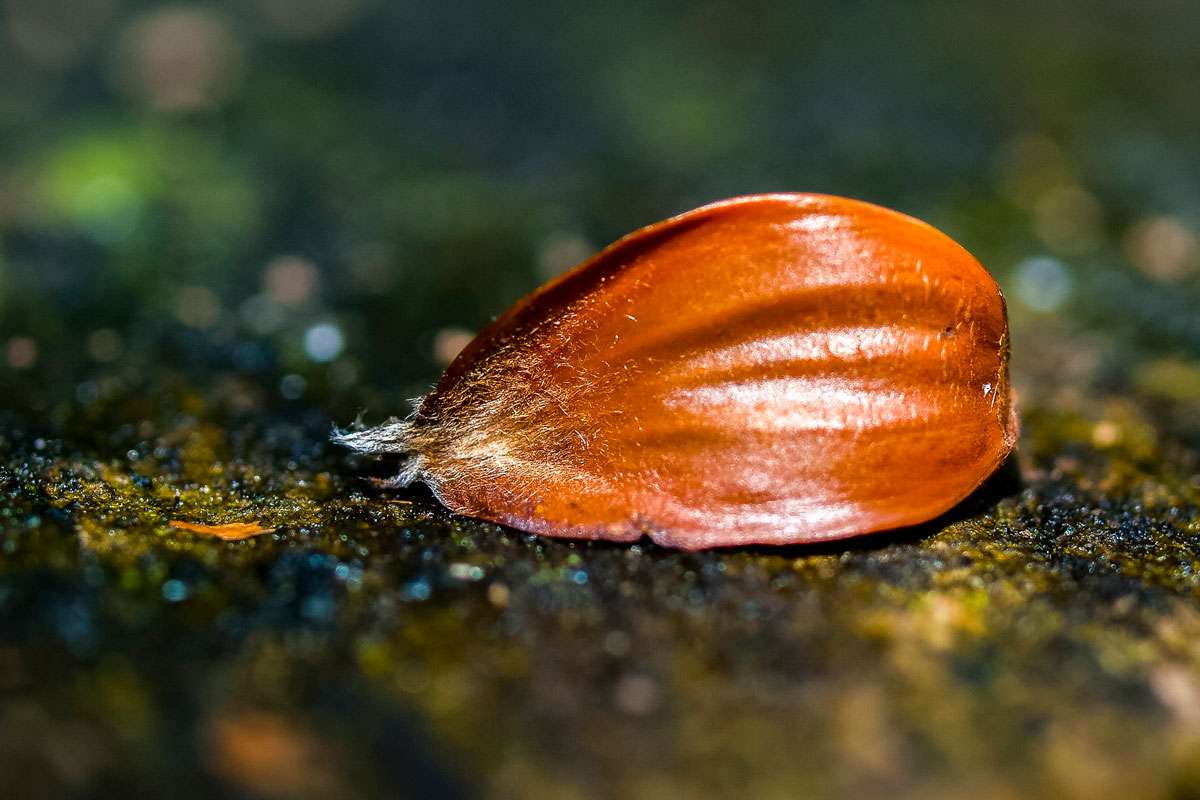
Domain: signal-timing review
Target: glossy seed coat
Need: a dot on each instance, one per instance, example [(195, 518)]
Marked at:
[(769, 369)]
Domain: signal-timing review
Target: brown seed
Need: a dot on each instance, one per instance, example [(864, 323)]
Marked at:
[(769, 369)]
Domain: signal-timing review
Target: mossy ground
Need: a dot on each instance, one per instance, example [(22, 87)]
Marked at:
[(1043, 640)]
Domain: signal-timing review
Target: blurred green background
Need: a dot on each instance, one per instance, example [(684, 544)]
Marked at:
[(318, 199)]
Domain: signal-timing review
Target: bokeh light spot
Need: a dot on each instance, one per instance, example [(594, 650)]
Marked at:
[(180, 58), (197, 307), (636, 695), (21, 352), (449, 342), (174, 591), (261, 314), (290, 280), (324, 342), (1163, 247), (100, 184), (560, 251), (1043, 283)]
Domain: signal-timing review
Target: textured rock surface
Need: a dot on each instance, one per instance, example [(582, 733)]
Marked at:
[(1041, 641)]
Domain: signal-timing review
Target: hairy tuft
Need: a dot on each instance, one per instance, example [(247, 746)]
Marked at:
[(393, 437)]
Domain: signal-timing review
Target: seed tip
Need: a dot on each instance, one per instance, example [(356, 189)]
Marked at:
[(391, 437)]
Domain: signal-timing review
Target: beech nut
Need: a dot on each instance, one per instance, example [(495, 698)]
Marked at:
[(777, 369)]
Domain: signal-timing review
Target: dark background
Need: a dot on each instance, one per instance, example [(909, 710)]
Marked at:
[(201, 184)]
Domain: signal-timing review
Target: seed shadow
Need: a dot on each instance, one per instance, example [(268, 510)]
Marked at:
[(1003, 483)]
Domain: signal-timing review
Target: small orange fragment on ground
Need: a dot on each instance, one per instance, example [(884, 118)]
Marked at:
[(230, 532)]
